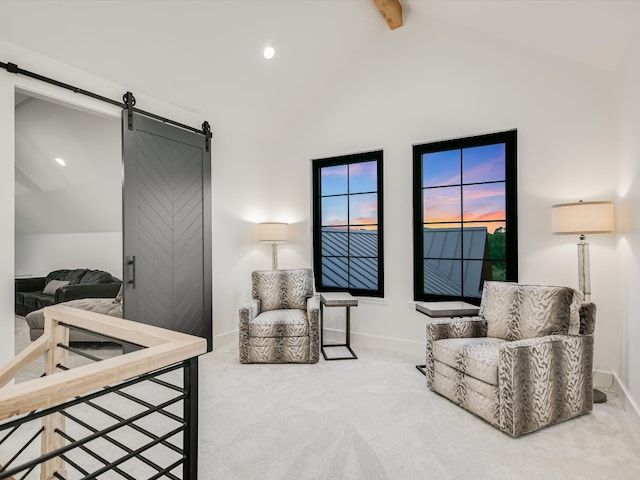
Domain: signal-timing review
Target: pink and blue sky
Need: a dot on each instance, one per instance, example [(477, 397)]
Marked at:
[(356, 179), (453, 171)]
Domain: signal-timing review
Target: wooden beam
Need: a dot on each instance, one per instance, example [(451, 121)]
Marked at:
[(391, 10)]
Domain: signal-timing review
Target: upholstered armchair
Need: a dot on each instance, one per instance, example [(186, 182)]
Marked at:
[(525, 362), (281, 323)]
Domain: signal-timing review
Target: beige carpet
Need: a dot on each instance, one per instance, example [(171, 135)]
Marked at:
[(373, 418)]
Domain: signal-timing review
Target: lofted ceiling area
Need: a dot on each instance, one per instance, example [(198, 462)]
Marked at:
[(207, 57), (84, 195)]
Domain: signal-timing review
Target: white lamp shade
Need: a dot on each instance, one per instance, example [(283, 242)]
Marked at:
[(271, 232), (582, 218)]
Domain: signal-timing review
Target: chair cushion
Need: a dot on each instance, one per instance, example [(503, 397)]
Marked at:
[(280, 289), (280, 323), (498, 299), (477, 357), (96, 276), (37, 300), (73, 276), (279, 350), (476, 396), (544, 311), (516, 311)]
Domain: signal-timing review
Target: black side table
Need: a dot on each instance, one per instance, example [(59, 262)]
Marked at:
[(337, 299), (445, 309)]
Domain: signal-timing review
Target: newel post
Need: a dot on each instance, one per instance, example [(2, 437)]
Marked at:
[(51, 441)]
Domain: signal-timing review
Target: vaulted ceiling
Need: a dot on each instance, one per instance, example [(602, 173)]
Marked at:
[(85, 196), (206, 56)]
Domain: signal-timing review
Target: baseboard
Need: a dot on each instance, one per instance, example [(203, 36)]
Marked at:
[(611, 381), (366, 340), (357, 339), (629, 406), (225, 339)]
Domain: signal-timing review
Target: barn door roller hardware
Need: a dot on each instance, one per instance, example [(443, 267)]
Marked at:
[(129, 102), (128, 99)]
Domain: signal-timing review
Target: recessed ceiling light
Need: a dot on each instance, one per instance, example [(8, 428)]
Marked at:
[(61, 162), (269, 52)]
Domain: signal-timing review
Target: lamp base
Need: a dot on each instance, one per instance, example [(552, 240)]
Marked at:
[(274, 256), (599, 396)]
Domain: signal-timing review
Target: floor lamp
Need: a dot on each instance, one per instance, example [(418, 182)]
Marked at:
[(583, 218), (273, 233)]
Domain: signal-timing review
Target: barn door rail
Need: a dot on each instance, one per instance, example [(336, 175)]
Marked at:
[(128, 100)]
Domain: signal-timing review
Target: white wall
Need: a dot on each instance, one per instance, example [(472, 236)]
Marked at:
[(37, 255), (7, 300), (629, 221), (410, 86), (443, 82)]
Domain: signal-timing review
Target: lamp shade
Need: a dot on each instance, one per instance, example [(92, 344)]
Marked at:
[(271, 232), (582, 218)]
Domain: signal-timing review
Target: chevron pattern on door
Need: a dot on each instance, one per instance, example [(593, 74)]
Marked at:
[(169, 254)]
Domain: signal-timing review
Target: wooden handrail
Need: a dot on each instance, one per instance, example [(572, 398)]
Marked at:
[(164, 347), (28, 355)]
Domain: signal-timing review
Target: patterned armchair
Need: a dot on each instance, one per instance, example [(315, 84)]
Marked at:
[(525, 362), (281, 323)]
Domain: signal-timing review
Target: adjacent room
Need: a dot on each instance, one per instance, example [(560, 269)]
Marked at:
[(356, 239)]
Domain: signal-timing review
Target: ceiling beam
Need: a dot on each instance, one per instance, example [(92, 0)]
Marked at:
[(391, 10)]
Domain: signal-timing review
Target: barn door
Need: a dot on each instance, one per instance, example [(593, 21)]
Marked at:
[(166, 227)]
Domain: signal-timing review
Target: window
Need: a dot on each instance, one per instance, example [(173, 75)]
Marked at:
[(347, 224), (465, 218)]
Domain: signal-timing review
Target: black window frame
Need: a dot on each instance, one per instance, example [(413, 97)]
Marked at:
[(316, 166), (510, 140)]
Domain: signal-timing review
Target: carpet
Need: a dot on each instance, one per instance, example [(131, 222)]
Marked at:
[(374, 419)]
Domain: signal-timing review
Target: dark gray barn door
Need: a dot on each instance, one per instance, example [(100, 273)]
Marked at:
[(167, 227)]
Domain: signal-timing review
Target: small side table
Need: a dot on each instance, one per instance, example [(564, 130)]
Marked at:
[(445, 309), (337, 299)]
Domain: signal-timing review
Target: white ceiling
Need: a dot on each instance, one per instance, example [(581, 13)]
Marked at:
[(206, 56), (85, 196)]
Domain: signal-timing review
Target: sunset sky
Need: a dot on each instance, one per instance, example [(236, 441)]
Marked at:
[(453, 171), (346, 197), (358, 208)]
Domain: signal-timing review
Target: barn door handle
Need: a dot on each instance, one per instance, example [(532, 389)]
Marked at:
[(132, 277)]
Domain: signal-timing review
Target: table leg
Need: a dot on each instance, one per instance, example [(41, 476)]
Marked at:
[(347, 343)]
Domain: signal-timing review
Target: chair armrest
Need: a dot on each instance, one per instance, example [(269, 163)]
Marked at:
[(313, 317), (313, 310), (90, 290), (542, 381), (247, 312), (32, 284), (461, 327)]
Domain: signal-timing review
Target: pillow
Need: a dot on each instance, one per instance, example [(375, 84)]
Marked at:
[(496, 307), (53, 285), (544, 310)]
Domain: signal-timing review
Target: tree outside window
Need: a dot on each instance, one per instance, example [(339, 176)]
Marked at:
[(465, 219)]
